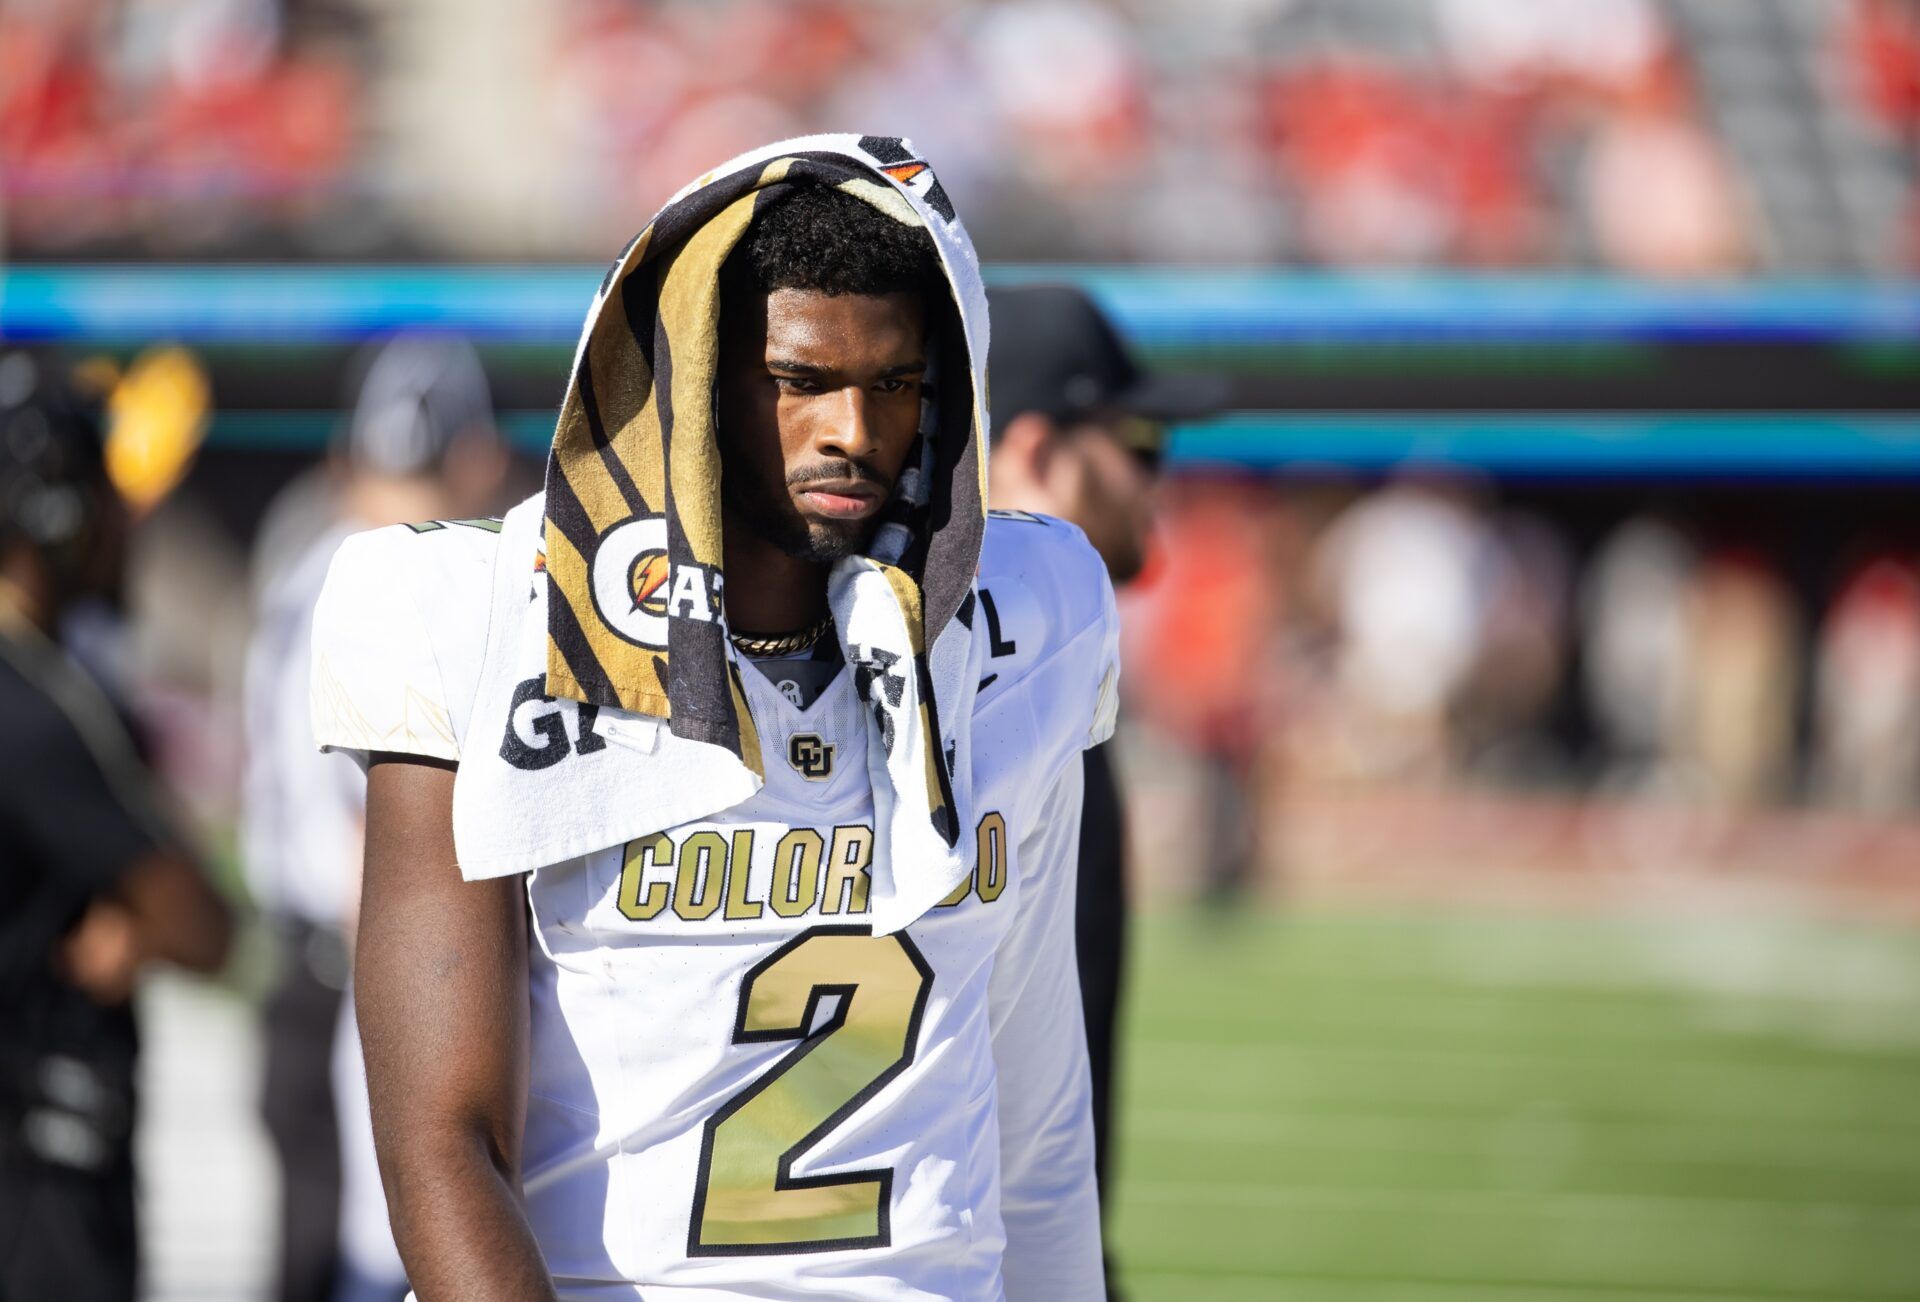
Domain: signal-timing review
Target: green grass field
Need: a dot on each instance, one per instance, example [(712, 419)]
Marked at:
[(1365, 1107)]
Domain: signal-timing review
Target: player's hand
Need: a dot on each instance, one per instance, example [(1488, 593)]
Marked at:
[(102, 955)]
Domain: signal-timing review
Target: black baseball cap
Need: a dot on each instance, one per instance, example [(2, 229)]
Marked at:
[(419, 392), (1055, 352)]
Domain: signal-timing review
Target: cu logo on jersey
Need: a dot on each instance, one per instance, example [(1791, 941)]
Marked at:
[(811, 757), (636, 588)]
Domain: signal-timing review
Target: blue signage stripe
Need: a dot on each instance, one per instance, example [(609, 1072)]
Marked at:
[(1552, 444), (1544, 444), (1159, 307)]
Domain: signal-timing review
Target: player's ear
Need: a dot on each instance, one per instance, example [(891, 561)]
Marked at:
[(1024, 447)]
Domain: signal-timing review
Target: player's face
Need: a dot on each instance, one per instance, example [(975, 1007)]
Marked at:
[(819, 405)]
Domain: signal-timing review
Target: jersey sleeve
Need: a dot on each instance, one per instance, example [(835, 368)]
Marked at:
[(1049, 1201), (398, 636), (1047, 609), (301, 830)]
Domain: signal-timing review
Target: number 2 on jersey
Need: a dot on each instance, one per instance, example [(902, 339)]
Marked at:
[(747, 1199)]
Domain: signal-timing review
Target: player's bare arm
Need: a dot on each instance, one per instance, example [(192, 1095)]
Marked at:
[(441, 981)]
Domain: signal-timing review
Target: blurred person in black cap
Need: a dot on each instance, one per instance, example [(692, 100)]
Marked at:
[(420, 448), (1078, 430), (95, 884)]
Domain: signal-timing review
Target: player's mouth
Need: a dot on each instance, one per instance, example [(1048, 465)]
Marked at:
[(842, 499)]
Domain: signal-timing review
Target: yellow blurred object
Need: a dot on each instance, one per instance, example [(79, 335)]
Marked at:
[(156, 419)]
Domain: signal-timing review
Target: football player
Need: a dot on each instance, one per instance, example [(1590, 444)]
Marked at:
[(1077, 433), (715, 937)]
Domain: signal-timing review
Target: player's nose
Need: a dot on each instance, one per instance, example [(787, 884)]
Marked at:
[(848, 428)]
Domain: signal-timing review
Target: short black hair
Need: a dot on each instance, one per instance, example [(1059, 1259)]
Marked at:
[(824, 239)]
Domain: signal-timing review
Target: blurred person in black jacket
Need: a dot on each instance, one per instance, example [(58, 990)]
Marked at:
[(1077, 433), (94, 884)]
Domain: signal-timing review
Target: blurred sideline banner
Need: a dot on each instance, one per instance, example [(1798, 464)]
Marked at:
[(1159, 307), (1545, 377), (1553, 445), (1536, 445)]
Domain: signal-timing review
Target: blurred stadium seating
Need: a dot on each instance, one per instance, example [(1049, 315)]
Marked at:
[(1682, 138)]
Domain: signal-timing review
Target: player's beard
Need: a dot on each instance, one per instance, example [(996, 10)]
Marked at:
[(768, 511)]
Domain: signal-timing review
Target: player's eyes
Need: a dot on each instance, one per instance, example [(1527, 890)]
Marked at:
[(804, 385)]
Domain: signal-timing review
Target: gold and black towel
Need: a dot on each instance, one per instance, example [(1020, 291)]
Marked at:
[(635, 620)]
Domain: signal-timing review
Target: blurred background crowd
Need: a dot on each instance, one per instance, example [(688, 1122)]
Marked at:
[(1686, 137), (1304, 643), (1559, 540)]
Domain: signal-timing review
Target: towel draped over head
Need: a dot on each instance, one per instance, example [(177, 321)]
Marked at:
[(634, 608)]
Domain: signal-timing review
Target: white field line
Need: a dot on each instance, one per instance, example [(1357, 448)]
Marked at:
[(1281, 1285), (1706, 1079), (208, 1187), (1674, 1144), (1785, 1217)]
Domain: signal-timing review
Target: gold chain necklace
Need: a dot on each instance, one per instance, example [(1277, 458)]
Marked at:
[(786, 644)]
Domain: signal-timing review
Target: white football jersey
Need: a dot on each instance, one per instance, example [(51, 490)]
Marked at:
[(300, 831), (737, 1090), (302, 838)]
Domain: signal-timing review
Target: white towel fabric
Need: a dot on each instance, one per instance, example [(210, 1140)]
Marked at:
[(641, 779), (627, 459)]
